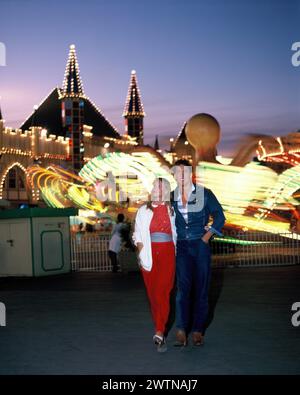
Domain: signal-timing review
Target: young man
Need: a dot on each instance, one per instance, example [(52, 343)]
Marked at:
[(193, 204)]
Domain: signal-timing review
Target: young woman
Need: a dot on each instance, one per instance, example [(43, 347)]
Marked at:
[(155, 238)]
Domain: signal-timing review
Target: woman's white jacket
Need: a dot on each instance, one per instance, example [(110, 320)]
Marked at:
[(141, 234)]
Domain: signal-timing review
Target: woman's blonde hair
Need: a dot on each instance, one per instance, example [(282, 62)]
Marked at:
[(168, 203)]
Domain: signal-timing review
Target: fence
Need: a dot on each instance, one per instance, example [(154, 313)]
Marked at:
[(90, 253), (255, 248), (235, 249)]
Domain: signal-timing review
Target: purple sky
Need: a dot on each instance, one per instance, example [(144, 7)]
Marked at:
[(231, 59)]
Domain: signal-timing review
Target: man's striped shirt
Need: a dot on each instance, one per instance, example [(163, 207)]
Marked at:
[(184, 209)]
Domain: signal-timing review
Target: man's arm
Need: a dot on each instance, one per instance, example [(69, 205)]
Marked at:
[(216, 211)]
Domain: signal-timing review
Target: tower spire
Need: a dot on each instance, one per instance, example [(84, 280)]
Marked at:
[(72, 110), (134, 110), (72, 85), (156, 145)]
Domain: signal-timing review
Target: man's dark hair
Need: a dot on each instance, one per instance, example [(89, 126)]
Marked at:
[(120, 217), (183, 162)]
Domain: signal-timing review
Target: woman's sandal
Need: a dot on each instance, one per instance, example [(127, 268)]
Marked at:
[(160, 342)]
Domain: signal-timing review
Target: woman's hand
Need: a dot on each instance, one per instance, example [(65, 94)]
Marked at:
[(140, 246)]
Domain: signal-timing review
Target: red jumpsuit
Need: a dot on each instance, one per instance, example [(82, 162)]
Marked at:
[(159, 281)]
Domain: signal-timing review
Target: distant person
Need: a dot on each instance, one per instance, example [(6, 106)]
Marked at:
[(89, 228), (80, 233), (155, 238), (115, 242), (126, 238)]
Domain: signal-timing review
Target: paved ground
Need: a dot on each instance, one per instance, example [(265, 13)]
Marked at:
[(94, 323)]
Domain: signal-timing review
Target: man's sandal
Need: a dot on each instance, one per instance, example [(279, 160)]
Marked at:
[(198, 339), (181, 339)]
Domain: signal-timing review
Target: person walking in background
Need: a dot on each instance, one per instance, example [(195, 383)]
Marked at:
[(80, 233), (115, 242), (155, 237), (193, 205)]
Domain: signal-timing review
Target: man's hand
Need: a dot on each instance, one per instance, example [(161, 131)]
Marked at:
[(139, 246), (207, 236)]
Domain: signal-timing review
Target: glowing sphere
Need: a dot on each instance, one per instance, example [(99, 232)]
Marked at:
[(203, 133)]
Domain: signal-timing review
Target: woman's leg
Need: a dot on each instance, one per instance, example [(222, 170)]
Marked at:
[(164, 282), (159, 283), (149, 280)]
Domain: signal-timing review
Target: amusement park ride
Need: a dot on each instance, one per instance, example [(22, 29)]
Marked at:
[(253, 195), (89, 165)]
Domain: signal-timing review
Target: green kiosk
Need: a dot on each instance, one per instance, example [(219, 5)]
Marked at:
[(35, 241)]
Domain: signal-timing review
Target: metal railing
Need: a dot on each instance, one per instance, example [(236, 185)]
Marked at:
[(236, 249), (255, 248), (90, 252)]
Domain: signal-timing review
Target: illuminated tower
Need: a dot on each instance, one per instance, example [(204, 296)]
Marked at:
[(72, 107), (134, 111), (156, 145)]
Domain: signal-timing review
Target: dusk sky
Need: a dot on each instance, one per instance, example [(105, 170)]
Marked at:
[(231, 59)]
